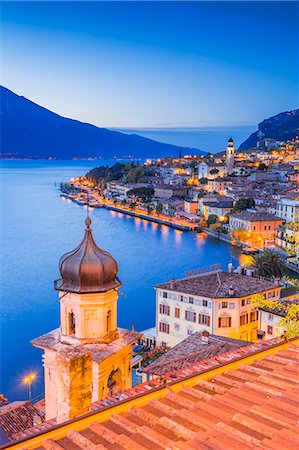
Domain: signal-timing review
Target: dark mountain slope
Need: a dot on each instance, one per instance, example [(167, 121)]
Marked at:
[(282, 127), (29, 130)]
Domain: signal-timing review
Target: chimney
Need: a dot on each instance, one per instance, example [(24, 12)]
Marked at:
[(205, 337), (231, 291), (230, 268), (172, 281)]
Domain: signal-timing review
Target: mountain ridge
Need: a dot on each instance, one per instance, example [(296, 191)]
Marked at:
[(31, 130), (282, 127)]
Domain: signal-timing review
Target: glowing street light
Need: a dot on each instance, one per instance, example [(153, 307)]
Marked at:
[(28, 379)]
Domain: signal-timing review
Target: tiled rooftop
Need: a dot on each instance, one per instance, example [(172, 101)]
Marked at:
[(17, 416), (217, 284), (255, 216), (254, 406), (192, 350)]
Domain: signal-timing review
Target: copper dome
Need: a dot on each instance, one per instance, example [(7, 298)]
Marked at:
[(87, 269)]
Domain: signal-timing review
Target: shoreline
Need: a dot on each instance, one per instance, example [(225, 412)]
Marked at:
[(132, 213)]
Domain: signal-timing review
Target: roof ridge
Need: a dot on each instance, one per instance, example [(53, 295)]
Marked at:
[(219, 284)]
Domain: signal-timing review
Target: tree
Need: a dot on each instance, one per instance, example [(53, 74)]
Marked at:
[(203, 181), (212, 219), (214, 171), (146, 193), (218, 227), (149, 209), (124, 202), (290, 322), (269, 264), (244, 203), (159, 208), (132, 205)]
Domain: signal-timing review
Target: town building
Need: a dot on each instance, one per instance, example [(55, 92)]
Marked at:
[(217, 301), (88, 356), (219, 185), (288, 209), (121, 189), (259, 225), (211, 169), (270, 318), (167, 191), (230, 152), (191, 206), (219, 208)]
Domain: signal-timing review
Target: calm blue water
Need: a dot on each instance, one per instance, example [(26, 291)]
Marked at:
[(38, 226)]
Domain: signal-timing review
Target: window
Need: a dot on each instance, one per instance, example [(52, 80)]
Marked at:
[(269, 329), (189, 332), (190, 316), (254, 228), (191, 300), (231, 306), (177, 313), (224, 305), (224, 322), (270, 317), (164, 327), (181, 298), (243, 319), (265, 227), (72, 323), (177, 327), (204, 319), (164, 294), (243, 302), (253, 316), (248, 301), (204, 303), (271, 294), (165, 309)]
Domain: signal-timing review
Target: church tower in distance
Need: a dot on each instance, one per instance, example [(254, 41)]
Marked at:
[(230, 152), (88, 357)]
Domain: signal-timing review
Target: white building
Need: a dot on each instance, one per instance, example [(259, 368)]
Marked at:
[(230, 153), (287, 209), (217, 301)]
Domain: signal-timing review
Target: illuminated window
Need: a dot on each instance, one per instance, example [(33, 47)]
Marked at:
[(253, 316), (224, 305), (177, 313), (224, 322), (243, 319), (269, 329), (243, 302)]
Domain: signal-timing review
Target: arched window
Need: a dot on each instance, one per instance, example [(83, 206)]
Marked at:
[(108, 322), (72, 323)]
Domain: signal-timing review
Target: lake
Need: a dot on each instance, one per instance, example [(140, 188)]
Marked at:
[(38, 226)]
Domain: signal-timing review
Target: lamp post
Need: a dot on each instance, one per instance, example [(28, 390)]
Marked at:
[(29, 380)]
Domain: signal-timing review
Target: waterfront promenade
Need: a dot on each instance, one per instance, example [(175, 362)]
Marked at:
[(178, 224)]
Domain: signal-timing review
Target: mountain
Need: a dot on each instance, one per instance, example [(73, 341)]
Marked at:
[(29, 130), (282, 127)]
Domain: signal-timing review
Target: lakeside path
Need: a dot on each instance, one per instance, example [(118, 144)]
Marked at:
[(181, 225)]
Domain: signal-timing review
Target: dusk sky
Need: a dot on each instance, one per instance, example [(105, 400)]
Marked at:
[(153, 64)]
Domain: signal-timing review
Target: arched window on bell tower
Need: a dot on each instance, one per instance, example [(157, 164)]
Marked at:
[(108, 322), (72, 323)]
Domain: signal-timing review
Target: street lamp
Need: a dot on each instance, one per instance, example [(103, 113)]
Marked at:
[(28, 379)]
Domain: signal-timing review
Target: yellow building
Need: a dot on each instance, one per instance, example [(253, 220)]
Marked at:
[(217, 301), (88, 357)]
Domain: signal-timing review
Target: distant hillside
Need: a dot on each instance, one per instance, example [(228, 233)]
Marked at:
[(29, 130), (282, 127)]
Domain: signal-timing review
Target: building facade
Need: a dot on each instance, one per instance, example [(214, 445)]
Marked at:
[(230, 153), (218, 302), (288, 210), (258, 224)]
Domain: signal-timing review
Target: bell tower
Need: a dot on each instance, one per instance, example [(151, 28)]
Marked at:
[(230, 152), (88, 357)]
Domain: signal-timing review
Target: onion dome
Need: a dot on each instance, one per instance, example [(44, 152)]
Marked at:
[(87, 269)]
